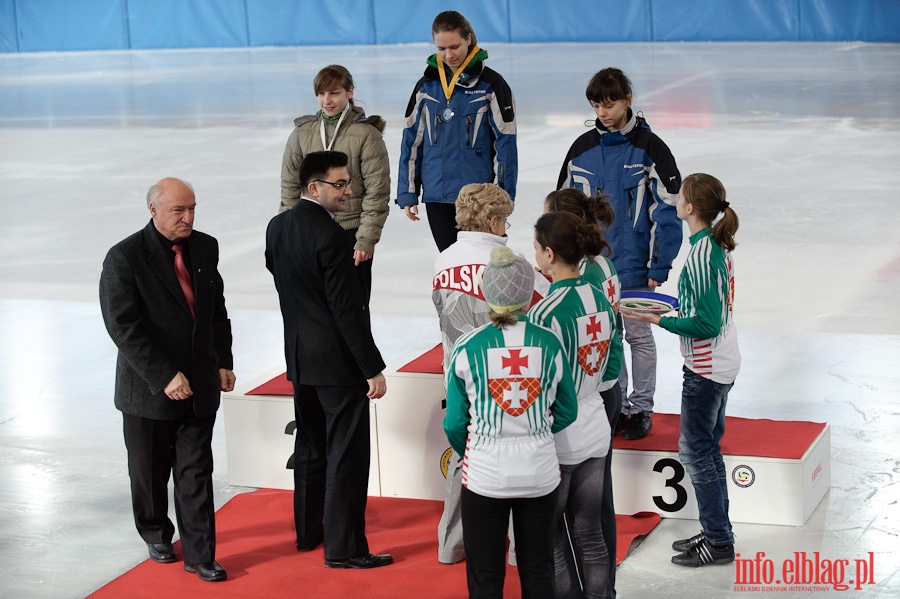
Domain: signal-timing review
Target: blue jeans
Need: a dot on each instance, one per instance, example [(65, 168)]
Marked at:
[(639, 337), (580, 500), (702, 426)]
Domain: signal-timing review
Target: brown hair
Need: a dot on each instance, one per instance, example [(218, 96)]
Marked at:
[(450, 20), (478, 203), (570, 237), (332, 77), (608, 85), (591, 210), (707, 195)]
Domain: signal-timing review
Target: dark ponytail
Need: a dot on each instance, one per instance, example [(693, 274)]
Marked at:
[(570, 237), (593, 210)]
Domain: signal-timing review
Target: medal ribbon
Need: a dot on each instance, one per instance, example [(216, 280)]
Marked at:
[(448, 87), (337, 126)]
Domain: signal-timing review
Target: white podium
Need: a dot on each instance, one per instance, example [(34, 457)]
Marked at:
[(409, 453), (259, 439)]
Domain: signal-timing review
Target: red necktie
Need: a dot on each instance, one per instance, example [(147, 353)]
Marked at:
[(184, 277)]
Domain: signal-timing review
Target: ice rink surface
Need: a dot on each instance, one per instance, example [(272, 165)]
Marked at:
[(805, 137)]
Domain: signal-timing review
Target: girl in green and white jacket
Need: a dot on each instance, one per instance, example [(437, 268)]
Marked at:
[(585, 321), (509, 389), (711, 361)]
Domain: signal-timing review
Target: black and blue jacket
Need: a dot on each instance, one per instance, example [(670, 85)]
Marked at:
[(477, 145), (637, 171)]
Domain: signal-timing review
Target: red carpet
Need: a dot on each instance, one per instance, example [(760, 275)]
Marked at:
[(256, 546), (430, 362), (785, 439)]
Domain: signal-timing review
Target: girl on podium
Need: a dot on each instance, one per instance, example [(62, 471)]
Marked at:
[(711, 361), (343, 126), (460, 128), (581, 315)]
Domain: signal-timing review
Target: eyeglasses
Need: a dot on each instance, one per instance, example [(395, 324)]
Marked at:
[(340, 185)]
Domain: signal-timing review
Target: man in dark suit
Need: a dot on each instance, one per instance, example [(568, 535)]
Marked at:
[(332, 361), (162, 300)]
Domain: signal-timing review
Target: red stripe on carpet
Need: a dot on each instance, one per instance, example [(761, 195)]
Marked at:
[(431, 362), (256, 546), (277, 386), (784, 439)]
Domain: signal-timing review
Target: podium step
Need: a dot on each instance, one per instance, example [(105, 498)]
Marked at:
[(778, 471)]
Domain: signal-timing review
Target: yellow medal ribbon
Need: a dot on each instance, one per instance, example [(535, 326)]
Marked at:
[(448, 87)]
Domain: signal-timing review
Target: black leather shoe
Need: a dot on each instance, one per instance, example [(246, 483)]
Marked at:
[(687, 544), (210, 571), (163, 553), (371, 560), (638, 426)]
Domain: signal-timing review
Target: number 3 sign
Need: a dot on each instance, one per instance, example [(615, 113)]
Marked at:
[(652, 481)]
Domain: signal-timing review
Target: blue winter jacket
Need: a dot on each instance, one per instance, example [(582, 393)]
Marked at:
[(477, 145), (638, 172)]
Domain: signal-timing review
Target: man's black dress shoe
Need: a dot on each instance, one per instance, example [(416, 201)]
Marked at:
[(371, 560), (210, 571), (163, 553)]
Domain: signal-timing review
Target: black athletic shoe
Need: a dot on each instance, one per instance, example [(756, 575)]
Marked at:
[(621, 423), (704, 554), (688, 544), (638, 426)]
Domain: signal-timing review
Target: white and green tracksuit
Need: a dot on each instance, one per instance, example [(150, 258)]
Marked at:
[(600, 272), (508, 391), (705, 321), (586, 323)]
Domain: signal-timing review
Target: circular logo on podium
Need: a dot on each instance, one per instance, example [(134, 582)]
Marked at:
[(445, 461), (743, 476)]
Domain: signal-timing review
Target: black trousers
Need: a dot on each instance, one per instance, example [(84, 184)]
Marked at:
[(331, 469), (183, 448), (442, 220), (612, 402), (485, 522)]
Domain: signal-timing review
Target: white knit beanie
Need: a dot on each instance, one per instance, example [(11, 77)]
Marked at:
[(508, 281)]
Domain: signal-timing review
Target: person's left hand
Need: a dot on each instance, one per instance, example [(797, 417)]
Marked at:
[(641, 316), (653, 284), (377, 386), (360, 256), (227, 379)]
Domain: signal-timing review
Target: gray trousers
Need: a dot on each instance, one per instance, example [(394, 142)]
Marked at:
[(450, 528)]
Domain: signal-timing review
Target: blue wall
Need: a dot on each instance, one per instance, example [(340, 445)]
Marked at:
[(65, 25)]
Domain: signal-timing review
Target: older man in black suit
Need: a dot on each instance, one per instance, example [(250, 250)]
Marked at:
[(332, 361), (162, 300)]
